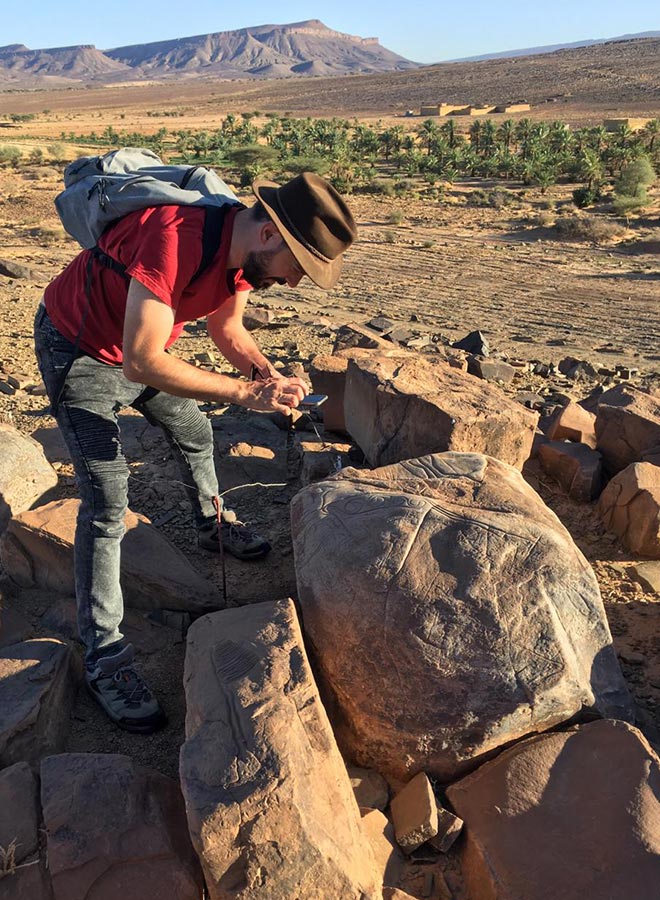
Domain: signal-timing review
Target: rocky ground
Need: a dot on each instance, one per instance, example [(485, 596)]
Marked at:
[(441, 268)]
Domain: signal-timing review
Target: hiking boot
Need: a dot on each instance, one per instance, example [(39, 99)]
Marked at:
[(120, 690), (237, 538)]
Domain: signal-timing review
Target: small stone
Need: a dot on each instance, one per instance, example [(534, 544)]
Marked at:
[(380, 323), (449, 828), (475, 342), (370, 788), (415, 813), (491, 369), (257, 318), (632, 658), (7, 388), (206, 358), (648, 575)]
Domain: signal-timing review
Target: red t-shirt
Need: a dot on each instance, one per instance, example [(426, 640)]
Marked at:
[(161, 248)]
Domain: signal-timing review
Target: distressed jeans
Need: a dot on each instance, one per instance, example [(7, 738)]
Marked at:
[(92, 396)]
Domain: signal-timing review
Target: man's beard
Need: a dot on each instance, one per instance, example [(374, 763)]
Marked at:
[(255, 269)]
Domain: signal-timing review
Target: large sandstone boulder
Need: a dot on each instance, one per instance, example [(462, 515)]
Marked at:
[(627, 426), (38, 681), (25, 473), (37, 551), (399, 409), (270, 807), (573, 815), (630, 507), (25, 876), (449, 612), (115, 831)]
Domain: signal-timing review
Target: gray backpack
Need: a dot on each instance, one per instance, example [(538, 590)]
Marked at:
[(101, 189)]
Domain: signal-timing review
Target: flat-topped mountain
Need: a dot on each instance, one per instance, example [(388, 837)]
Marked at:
[(299, 48)]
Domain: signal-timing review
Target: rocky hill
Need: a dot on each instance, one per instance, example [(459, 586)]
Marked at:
[(301, 48)]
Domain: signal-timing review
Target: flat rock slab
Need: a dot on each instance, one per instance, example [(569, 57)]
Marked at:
[(400, 409), (37, 551), (572, 815), (630, 507), (25, 473), (449, 612), (627, 426), (270, 807), (38, 682), (115, 831)]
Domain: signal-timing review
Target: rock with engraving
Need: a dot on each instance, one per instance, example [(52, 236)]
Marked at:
[(38, 681), (115, 831), (25, 473), (627, 426), (270, 807), (23, 874), (399, 409), (630, 507), (37, 551), (484, 621), (573, 814)]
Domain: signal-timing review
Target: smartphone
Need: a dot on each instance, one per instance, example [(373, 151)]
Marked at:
[(313, 401)]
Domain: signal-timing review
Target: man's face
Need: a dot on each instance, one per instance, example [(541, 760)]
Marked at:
[(264, 268)]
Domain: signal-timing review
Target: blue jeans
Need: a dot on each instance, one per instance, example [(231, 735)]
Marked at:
[(93, 395)]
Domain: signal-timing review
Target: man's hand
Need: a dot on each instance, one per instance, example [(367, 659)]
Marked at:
[(275, 394)]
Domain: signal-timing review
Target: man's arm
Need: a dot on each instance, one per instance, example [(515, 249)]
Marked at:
[(234, 341), (147, 327)]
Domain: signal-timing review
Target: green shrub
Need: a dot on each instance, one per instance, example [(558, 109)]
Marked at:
[(586, 196), (10, 155), (395, 217), (389, 237)]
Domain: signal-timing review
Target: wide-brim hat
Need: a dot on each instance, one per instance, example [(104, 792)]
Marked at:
[(313, 220)]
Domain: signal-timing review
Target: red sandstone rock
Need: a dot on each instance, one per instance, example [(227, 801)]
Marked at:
[(25, 473), (379, 832), (572, 815), (627, 426), (38, 682), (574, 423), (484, 621), (37, 551), (270, 807), (399, 409), (328, 376), (576, 467), (415, 813), (115, 831), (370, 788), (630, 507)]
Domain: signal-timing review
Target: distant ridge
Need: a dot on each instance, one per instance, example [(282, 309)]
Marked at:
[(551, 48), (296, 49)]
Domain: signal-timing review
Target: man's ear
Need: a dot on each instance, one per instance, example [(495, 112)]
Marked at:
[(269, 236)]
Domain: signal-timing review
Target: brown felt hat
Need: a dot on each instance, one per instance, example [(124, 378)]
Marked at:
[(313, 220)]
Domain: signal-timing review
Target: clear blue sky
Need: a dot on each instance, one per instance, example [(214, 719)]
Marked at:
[(426, 31)]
